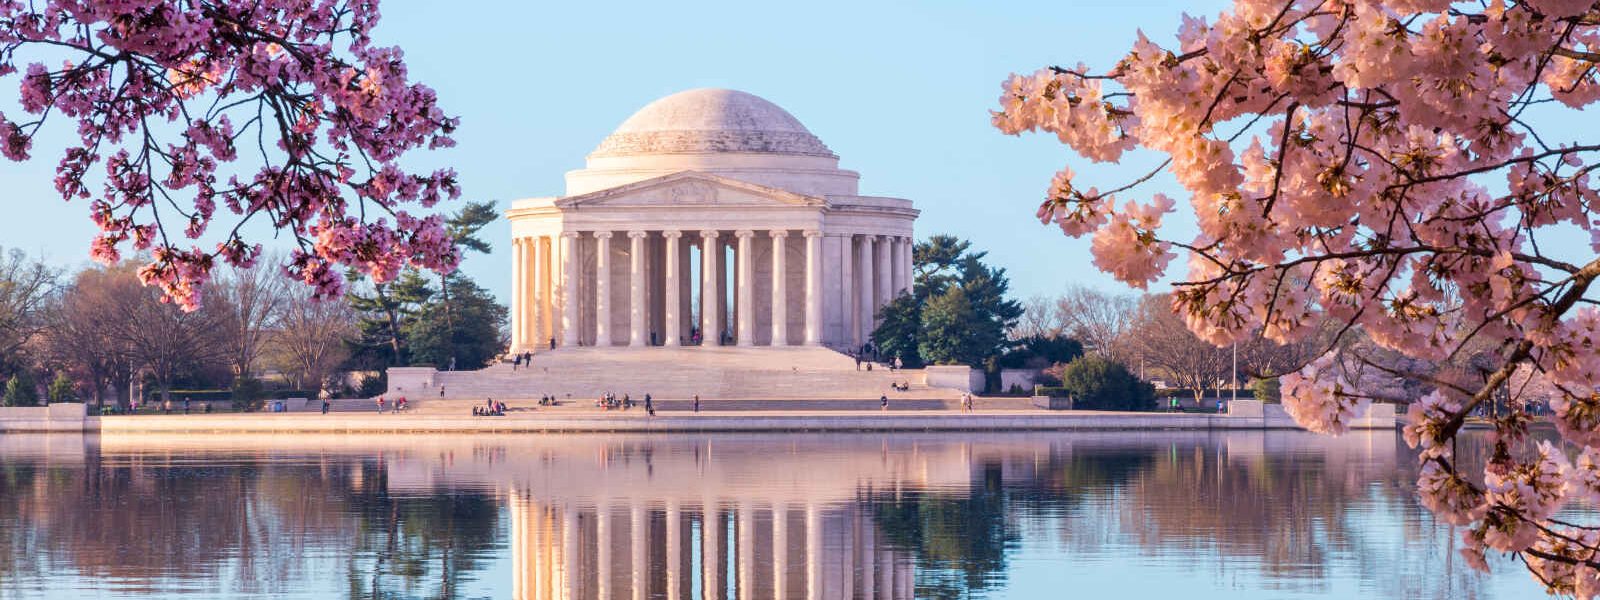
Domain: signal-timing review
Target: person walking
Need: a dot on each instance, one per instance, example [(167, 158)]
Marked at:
[(858, 362), (166, 406), (697, 403), (552, 343), (186, 405), (441, 390), (380, 405), (324, 406), (649, 408)]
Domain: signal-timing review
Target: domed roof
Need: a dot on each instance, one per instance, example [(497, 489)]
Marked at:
[(711, 120)]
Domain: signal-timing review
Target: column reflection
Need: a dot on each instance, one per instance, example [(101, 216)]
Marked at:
[(708, 550)]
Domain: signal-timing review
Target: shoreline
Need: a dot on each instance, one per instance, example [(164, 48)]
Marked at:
[(740, 421)]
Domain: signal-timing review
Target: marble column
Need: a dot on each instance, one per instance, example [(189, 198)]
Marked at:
[(849, 334), (813, 288), (900, 273), (674, 323), (569, 289), (909, 263), (866, 287), (602, 289), (537, 317), (885, 273), (545, 289), (780, 287), (747, 287), (638, 313), (519, 304), (710, 289)]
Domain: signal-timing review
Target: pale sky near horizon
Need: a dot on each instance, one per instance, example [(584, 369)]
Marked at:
[(899, 90)]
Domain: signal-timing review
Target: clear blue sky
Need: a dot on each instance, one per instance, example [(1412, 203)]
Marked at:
[(899, 90)]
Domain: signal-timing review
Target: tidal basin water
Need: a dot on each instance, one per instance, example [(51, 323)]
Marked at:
[(1060, 515)]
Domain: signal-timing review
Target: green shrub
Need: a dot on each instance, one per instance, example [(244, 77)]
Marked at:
[(1266, 390), (372, 386), (1095, 383), (21, 391), (61, 390), (247, 394)]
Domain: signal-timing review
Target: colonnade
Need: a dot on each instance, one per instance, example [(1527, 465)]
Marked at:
[(704, 550), (592, 288)]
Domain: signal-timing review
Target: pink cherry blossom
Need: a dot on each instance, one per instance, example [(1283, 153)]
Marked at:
[(164, 95), (1380, 163)]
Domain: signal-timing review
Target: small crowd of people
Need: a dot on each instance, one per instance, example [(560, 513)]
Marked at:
[(398, 405), (609, 401), (490, 408), (903, 386)]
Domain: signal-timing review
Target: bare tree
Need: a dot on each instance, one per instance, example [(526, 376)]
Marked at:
[(160, 337), (1097, 319), (1158, 337), (82, 333), (1041, 317), (312, 338), (25, 288), (248, 303)]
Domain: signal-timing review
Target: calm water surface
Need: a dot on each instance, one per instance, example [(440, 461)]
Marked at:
[(1129, 514)]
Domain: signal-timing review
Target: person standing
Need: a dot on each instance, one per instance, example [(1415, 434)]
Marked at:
[(380, 405), (186, 405), (883, 402), (649, 408), (324, 406), (697, 403)]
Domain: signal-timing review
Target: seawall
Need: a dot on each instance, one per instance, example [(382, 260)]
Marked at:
[(1244, 417)]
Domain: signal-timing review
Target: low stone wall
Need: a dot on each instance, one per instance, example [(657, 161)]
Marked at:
[(956, 377), (1020, 378), (63, 417), (404, 380), (1273, 416)]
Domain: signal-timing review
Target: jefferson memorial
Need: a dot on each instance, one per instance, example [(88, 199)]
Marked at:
[(711, 247), (709, 217)]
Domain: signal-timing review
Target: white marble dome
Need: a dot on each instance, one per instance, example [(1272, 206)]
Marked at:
[(711, 120), (728, 133)]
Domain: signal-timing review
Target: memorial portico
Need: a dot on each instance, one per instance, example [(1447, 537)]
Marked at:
[(709, 217)]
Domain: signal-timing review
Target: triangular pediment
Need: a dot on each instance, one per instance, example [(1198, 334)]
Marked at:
[(688, 188)]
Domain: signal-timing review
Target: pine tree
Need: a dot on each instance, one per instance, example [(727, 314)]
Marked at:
[(61, 389), (21, 391)]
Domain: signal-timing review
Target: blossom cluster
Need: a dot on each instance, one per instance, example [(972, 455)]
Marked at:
[(1373, 162), (164, 93)]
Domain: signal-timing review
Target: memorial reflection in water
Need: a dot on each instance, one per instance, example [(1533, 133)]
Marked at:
[(1139, 514)]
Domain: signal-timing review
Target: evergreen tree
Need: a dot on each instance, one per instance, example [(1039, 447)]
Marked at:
[(20, 390), (1100, 384), (957, 312), (61, 390), (473, 338)]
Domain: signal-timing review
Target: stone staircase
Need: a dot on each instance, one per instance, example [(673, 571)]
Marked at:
[(670, 374)]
